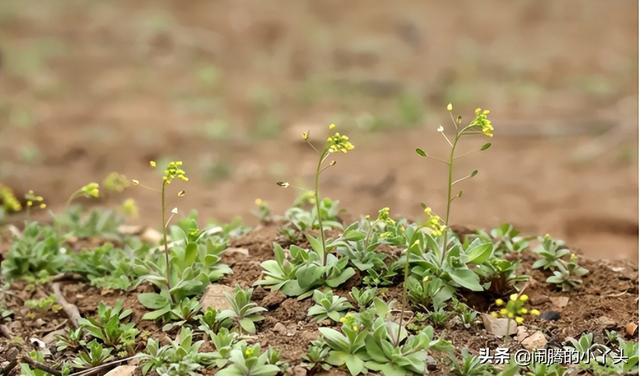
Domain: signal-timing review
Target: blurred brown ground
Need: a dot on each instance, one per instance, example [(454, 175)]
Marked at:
[(92, 87)]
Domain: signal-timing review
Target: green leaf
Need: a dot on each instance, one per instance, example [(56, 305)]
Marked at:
[(479, 252), (153, 300), (354, 235), (190, 253), (466, 278), (154, 315), (315, 244), (335, 339), (308, 276), (485, 146), (421, 153), (374, 350), (342, 278), (355, 365), (248, 325), (265, 370)]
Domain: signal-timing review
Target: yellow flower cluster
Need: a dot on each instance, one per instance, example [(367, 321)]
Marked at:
[(349, 321), (514, 308), (482, 121), (115, 182), (33, 198), (91, 190), (173, 171), (339, 142), (385, 217), (9, 200), (433, 222)]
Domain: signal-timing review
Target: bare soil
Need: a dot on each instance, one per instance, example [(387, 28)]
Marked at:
[(607, 301)]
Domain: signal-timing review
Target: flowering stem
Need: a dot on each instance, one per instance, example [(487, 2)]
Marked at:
[(449, 186), (317, 192), (166, 244)]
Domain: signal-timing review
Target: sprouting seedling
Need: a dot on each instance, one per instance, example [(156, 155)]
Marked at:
[(335, 143), (480, 125), (172, 172), (91, 190)]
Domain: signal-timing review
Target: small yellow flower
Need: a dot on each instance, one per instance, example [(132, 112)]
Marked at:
[(499, 302), (503, 311), (152, 164), (482, 121), (259, 202), (332, 126), (91, 190), (450, 107), (248, 352), (174, 171), (33, 198), (425, 278), (339, 142), (494, 315), (524, 297), (513, 297), (129, 208), (8, 199), (534, 312), (510, 315), (524, 311), (343, 319), (519, 320), (434, 222), (355, 328), (135, 181)]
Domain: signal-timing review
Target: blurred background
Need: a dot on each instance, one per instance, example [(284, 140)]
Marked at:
[(91, 87)]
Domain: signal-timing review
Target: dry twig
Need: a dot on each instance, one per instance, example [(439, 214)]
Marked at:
[(70, 309)]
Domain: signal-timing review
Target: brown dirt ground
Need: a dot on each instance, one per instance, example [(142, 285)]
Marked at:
[(87, 88), (610, 290)]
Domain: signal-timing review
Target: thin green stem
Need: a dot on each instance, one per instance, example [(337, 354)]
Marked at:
[(404, 295), (449, 186), (71, 198), (166, 244), (317, 192)]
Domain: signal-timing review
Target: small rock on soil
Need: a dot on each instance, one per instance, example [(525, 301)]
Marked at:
[(535, 341), (498, 326), (215, 297)]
